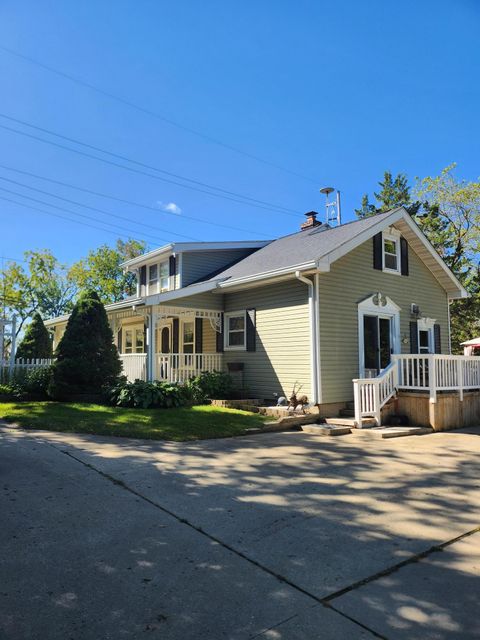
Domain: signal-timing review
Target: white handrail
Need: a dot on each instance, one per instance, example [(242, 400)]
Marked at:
[(171, 367), (371, 394)]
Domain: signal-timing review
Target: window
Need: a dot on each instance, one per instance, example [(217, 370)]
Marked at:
[(391, 257), (235, 326), (152, 278), (158, 277), (134, 340), (164, 275), (188, 337)]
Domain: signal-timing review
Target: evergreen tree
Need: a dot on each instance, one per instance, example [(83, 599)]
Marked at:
[(36, 342), (394, 192), (86, 358)]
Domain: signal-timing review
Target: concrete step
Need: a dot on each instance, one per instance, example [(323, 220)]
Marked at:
[(384, 433), (325, 430), (366, 423)]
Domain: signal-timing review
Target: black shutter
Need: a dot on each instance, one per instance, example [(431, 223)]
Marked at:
[(172, 266), (143, 275), (404, 256), (219, 336), (198, 335), (119, 340), (145, 339), (251, 334), (377, 251), (175, 335), (413, 336), (437, 338)]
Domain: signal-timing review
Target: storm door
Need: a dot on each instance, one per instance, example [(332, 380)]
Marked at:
[(377, 343)]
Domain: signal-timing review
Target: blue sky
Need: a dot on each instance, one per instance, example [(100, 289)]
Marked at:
[(335, 92)]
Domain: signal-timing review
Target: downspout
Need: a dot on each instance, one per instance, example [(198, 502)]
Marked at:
[(313, 334)]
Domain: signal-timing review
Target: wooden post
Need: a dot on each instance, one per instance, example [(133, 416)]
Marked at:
[(356, 400)]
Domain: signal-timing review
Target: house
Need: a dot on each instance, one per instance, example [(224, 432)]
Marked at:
[(319, 308)]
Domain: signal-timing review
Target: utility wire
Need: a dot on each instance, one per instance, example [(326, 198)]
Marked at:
[(75, 213), (154, 114), (123, 201), (86, 206), (225, 193)]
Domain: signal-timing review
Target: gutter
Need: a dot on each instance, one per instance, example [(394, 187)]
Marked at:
[(314, 347)]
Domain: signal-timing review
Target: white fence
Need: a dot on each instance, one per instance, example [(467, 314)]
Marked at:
[(171, 367), (10, 369), (429, 372)]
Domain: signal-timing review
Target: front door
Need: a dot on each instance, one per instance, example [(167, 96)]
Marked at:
[(377, 343), (165, 340)]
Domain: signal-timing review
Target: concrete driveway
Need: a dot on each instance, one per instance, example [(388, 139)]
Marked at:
[(276, 537)]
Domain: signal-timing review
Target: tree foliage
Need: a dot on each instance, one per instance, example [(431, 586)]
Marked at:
[(393, 192), (101, 271), (450, 218), (86, 358), (36, 342), (43, 286)]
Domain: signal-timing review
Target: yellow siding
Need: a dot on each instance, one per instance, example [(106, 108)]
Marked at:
[(353, 279), (209, 337), (282, 355)]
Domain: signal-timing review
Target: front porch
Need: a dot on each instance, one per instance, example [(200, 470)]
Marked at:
[(171, 344)]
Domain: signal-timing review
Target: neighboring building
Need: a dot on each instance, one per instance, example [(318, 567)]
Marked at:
[(316, 308)]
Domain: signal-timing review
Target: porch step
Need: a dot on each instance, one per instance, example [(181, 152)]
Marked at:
[(351, 423), (384, 433), (325, 430)]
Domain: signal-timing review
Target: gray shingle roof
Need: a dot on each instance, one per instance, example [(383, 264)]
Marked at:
[(297, 248)]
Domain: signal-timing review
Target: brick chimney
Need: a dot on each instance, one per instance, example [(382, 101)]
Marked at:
[(311, 221)]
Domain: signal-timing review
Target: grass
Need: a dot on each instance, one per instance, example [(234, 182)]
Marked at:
[(186, 423)]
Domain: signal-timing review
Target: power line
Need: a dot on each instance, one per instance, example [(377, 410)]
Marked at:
[(50, 213), (154, 114), (124, 201), (86, 206), (222, 193)]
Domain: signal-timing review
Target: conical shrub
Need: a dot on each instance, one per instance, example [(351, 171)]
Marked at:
[(86, 358), (36, 342)]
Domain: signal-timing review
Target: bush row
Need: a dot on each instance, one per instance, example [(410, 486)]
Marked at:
[(36, 384)]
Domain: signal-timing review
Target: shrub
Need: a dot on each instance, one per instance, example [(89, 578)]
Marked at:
[(160, 395), (33, 383), (214, 385), (36, 342), (86, 358)]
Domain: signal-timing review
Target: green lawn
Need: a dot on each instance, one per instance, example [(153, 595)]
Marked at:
[(158, 424)]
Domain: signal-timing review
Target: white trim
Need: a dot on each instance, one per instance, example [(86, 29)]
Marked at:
[(234, 314), (426, 324), (395, 238), (312, 313), (319, 361), (388, 310)]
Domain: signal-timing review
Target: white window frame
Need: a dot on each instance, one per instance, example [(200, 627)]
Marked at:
[(162, 282), (226, 332), (395, 238), (192, 322)]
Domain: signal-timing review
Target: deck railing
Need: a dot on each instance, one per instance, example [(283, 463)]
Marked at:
[(415, 372), (171, 367), (371, 394)]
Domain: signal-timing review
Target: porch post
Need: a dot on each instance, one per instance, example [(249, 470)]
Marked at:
[(151, 346)]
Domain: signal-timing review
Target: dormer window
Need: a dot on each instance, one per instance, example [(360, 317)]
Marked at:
[(158, 277), (391, 253)]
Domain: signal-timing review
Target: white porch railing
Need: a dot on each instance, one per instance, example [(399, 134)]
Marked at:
[(415, 372), (9, 369), (179, 367), (370, 394), (171, 367), (134, 366)]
